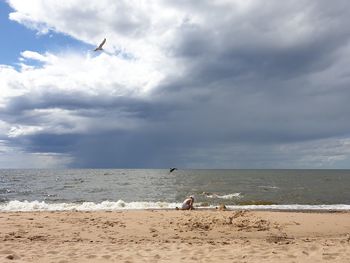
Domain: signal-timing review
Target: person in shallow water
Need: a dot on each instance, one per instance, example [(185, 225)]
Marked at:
[(188, 203)]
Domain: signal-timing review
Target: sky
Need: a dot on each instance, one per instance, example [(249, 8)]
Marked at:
[(187, 84)]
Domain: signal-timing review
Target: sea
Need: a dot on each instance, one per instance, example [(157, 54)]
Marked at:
[(131, 189)]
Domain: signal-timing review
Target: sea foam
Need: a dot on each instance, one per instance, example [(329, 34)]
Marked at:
[(14, 206), (85, 206), (293, 207), (228, 196)]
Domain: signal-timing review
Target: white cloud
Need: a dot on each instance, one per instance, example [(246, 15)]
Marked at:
[(89, 73), (134, 27), (149, 30), (101, 77), (21, 130), (34, 55)]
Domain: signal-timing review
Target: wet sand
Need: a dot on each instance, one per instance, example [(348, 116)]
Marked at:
[(174, 236)]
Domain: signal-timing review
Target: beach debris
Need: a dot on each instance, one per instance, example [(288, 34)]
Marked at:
[(37, 238), (275, 239), (172, 169), (279, 239)]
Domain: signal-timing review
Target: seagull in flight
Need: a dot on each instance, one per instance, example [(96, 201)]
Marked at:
[(100, 46), (172, 170)]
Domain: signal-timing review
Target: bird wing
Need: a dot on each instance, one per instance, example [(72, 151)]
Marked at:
[(103, 42)]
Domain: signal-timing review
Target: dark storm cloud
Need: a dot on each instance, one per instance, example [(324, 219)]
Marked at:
[(46, 143), (127, 149), (19, 109), (259, 87), (257, 46), (253, 85)]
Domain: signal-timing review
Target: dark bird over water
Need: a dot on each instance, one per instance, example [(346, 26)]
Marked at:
[(100, 46), (172, 169)]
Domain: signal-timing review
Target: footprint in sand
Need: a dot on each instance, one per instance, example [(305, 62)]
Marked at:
[(12, 256), (52, 252), (330, 256), (152, 230)]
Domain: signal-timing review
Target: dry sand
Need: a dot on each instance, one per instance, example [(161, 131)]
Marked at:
[(174, 236)]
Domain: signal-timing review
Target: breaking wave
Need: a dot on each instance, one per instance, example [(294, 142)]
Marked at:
[(14, 206), (228, 196), (85, 206)]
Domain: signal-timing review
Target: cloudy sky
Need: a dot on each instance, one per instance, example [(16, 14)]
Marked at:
[(191, 84)]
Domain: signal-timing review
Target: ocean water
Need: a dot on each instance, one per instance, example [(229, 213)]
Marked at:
[(116, 189)]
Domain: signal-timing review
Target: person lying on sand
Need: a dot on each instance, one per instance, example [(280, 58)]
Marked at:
[(188, 203)]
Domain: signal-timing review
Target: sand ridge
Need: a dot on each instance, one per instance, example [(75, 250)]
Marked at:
[(174, 236)]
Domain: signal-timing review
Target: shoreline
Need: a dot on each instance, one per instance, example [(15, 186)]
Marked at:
[(120, 205), (276, 210), (174, 236)]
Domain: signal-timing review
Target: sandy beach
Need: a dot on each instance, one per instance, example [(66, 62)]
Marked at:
[(174, 236)]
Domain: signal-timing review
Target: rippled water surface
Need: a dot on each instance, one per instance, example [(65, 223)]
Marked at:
[(209, 186)]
